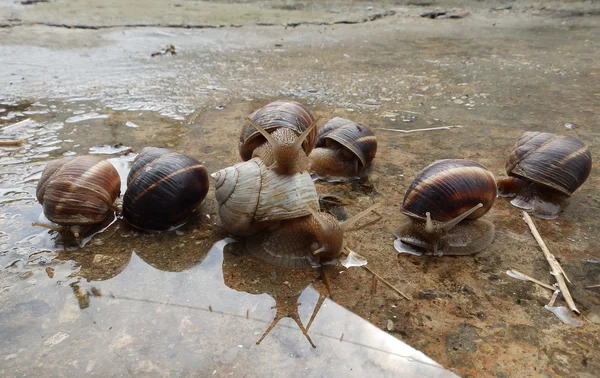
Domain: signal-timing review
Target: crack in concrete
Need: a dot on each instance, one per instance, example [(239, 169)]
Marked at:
[(370, 18)]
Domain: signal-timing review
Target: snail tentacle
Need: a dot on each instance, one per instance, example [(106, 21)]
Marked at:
[(450, 224)]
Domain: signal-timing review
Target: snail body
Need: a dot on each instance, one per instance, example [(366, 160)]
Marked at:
[(304, 241), (281, 134), (545, 169), (163, 189), (444, 204), (251, 196), (77, 192), (344, 149)]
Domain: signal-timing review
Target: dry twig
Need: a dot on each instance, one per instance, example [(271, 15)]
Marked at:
[(555, 268), (4, 128), (531, 279), (419, 130), (380, 278), (10, 142)]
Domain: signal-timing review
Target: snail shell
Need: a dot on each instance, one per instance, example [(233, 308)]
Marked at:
[(252, 197), (303, 242), (280, 114), (78, 191), (163, 189), (441, 196), (344, 149), (545, 170)]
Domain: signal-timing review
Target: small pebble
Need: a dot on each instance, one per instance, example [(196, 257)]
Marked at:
[(390, 325)]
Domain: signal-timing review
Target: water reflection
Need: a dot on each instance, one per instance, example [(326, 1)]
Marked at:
[(149, 321), (122, 302)]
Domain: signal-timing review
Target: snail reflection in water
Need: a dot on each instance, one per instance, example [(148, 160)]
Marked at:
[(343, 151), (545, 169), (246, 274), (78, 193), (443, 205)]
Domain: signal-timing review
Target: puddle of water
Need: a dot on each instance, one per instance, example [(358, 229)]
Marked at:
[(172, 303)]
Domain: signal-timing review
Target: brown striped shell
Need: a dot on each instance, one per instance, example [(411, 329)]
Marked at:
[(78, 191), (444, 203), (275, 115), (448, 188), (343, 149), (163, 189), (559, 162)]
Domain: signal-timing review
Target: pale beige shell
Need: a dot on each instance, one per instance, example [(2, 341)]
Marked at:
[(252, 197)]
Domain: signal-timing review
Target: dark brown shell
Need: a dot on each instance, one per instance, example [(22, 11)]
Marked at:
[(78, 190), (354, 136), (560, 162), (448, 188), (163, 189), (272, 116)]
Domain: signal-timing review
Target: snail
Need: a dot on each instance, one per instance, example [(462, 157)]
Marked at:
[(443, 204), (291, 126), (545, 170), (78, 192), (304, 241), (344, 150), (252, 197), (163, 189)]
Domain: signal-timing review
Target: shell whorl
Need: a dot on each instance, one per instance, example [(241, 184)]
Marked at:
[(237, 190), (559, 162), (448, 188), (249, 194), (78, 191), (277, 114)]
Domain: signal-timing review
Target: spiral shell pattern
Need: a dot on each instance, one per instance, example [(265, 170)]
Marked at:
[(556, 161), (448, 188), (78, 190), (356, 137), (249, 194), (277, 114), (163, 189)]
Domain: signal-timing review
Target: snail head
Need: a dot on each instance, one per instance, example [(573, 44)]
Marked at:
[(435, 230), (331, 241), (285, 150)]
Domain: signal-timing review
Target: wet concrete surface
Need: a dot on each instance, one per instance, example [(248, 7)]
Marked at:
[(497, 73)]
